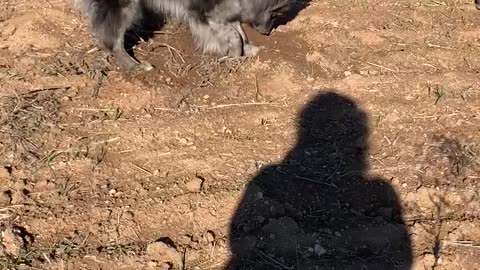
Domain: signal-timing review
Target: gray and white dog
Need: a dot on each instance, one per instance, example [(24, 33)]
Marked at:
[(214, 24)]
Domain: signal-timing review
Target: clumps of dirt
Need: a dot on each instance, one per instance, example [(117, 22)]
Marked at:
[(218, 69), (460, 155), (164, 255), (24, 117), (77, 63), (14, 241)]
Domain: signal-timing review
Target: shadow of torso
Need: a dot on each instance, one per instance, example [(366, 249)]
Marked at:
[(317, 209)]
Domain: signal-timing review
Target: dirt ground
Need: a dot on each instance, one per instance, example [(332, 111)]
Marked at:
[(351, 142)]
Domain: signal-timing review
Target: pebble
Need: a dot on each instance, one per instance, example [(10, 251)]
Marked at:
[(319, 250), (4, 173), (194, 185)]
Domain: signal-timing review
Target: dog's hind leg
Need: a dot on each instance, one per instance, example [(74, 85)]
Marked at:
[(249, 50), (110, 21)]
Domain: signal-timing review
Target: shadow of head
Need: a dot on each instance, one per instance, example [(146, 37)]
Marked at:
[(317, 207), (296, 7)]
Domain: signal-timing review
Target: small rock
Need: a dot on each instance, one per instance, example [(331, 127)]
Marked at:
[(6, 198), (9, 30), (185, 240), (319, 250), (4, 173), (168, 80), (183, 141), (20, 185), (364, 72), (428, 260), (112, 192), (18, 197), (128, 215), (13, 243), (221, 243), (259, 195), (194, 185), (210, 236), (152, 264), (162, 253), (395, 181), (404, 185), (164, 266), (347, 73)]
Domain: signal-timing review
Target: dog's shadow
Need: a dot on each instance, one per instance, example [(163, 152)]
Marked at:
[(317, 208)]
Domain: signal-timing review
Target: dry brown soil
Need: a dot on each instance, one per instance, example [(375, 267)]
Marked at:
[(351, 142)]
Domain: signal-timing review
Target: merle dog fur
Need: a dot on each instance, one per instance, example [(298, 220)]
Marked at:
[(214, 24)]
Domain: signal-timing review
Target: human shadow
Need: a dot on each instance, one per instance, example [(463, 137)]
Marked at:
[(317, 209)]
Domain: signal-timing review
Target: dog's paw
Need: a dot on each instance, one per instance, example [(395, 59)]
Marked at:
[(141, 67)]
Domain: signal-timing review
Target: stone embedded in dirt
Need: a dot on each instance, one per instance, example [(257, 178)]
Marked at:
[(163, 253), (185, 240), (18, 197), (163, 266), (4, 174), (319, 250), (210, 236), (194, 185), (152, 264), (183, 141), (12, 242), (427, 262), (128, 215), (5, 198)]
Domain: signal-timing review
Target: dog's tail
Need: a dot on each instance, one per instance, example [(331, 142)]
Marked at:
[(109, 18)]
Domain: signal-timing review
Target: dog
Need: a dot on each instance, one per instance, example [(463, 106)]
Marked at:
[(215, 24)]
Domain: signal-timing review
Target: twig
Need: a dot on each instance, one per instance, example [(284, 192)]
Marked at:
[(379, 66), (141, 169), (315, 181), (275, 262), (463, 243), (240, 105)]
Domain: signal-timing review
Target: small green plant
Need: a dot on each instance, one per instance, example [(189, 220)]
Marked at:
[(439, 92)]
